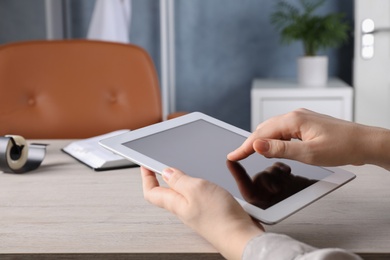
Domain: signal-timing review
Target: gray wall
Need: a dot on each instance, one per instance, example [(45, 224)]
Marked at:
[(22, 20), (221, 46)]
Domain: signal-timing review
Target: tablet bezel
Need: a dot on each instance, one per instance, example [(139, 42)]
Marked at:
[(271, 215)]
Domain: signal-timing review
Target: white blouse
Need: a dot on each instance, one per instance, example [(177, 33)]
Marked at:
[(276, 246)]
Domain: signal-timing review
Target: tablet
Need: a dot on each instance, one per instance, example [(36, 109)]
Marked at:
[(268, 189)]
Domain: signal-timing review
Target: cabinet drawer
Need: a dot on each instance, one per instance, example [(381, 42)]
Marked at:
[(270, 97), (272, 107)]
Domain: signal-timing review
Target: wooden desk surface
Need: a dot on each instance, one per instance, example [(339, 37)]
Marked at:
[(67, 210)]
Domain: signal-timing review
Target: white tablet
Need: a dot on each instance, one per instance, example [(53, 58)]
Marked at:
[(268, 189)]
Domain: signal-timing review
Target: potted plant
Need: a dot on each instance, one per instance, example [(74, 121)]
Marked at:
[(299, 23)]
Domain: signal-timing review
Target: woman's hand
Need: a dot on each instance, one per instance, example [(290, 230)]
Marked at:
[(324, 141), (205, 207)]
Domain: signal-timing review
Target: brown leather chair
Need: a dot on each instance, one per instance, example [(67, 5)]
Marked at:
[(76, 89)]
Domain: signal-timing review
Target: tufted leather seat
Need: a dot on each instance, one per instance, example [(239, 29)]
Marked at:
[(76, 88)]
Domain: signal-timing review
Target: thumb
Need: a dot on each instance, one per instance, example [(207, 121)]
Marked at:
[(280, 149)]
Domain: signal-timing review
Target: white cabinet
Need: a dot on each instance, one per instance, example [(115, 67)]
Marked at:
[(271, 97)]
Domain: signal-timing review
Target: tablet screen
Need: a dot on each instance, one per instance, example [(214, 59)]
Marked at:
[(199, 149)]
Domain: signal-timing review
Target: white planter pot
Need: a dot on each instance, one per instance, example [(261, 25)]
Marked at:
[(313, 71)]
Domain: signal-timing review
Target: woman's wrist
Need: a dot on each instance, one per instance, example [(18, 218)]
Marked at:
[(236, 237), (382, 148), (376, 147)]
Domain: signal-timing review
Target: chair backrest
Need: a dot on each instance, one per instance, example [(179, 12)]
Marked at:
[(76, 88)]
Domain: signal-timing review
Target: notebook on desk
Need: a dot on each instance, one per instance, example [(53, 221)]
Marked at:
[(90, 153)]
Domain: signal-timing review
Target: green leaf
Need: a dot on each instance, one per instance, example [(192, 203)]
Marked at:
[(315, 31)]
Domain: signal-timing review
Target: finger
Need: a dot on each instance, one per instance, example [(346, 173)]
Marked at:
[(178, 181), (282, 127), (160, 196), (151, 186), (247, 148), (294, 150), (149, 180), (243, 151)]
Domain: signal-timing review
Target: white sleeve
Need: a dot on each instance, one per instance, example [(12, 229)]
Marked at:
[(276, 246)]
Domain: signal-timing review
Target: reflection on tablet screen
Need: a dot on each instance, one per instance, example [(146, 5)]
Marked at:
[(200, 148), (269, 186)]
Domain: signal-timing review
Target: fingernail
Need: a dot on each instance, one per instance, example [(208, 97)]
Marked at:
[(263, 145), (167, 173)]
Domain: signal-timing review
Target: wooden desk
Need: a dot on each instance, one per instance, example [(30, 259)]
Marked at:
[(67, 211)]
